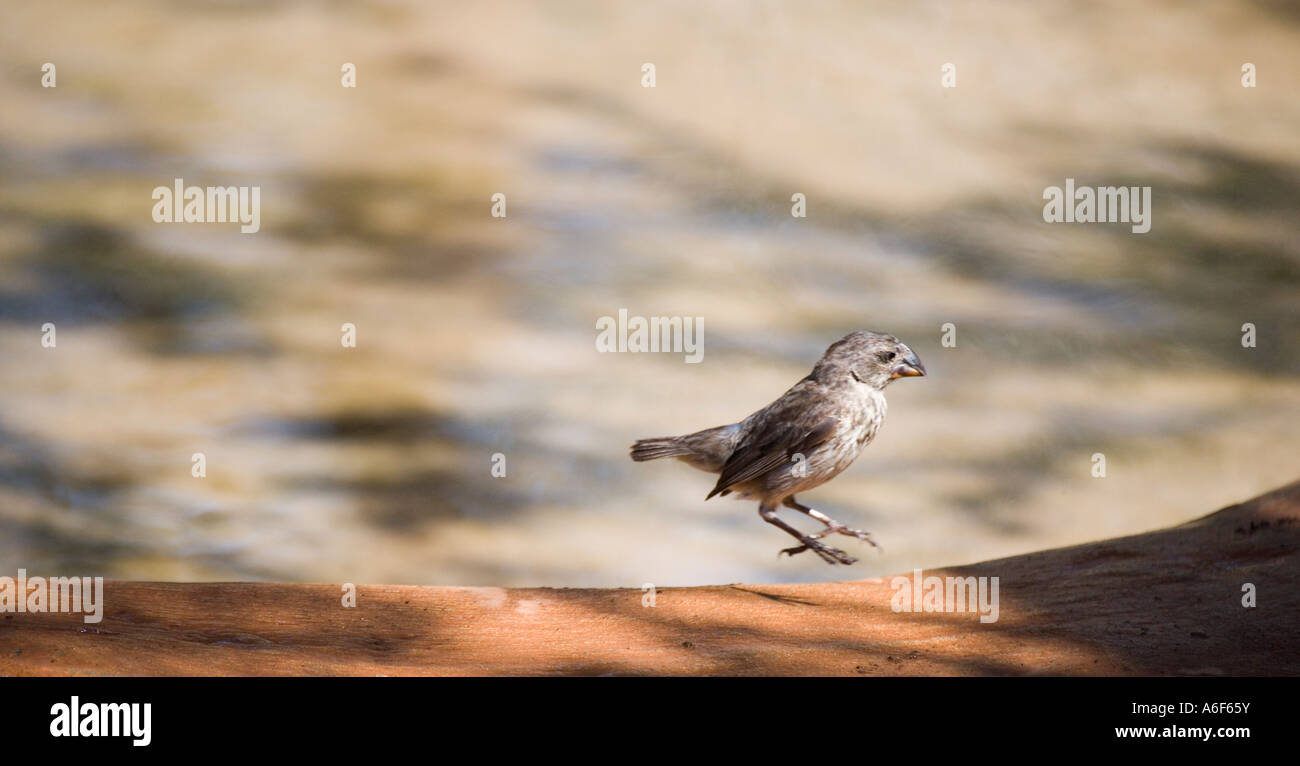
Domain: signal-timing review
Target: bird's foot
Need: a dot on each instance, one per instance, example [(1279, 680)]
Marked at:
[(836, 528), (828, 554)]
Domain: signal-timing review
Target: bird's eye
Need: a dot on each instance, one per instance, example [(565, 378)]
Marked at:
[(886, 356)]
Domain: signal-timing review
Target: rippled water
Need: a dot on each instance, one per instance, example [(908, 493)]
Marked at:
[(476, 335)]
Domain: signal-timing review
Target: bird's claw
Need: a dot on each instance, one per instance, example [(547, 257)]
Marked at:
[(828, 554), (847, 531)]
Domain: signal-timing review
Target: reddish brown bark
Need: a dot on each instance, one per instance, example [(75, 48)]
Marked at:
[(1164, 602)]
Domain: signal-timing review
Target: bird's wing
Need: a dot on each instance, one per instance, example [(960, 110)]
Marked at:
[(772, 443)]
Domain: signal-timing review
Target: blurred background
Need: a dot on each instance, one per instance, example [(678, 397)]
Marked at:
[(476, 335)]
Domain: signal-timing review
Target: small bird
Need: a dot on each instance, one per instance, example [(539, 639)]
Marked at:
[(803, 439)]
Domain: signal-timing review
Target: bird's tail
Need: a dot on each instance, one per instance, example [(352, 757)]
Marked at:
[(653, 449)]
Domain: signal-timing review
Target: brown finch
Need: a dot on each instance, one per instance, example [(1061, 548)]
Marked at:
[(803, 439)]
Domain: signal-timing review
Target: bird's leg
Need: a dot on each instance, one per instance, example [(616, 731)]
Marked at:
[(828, 554), (832, 526)]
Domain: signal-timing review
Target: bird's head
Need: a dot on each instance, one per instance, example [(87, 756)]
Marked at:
[(870, 358)]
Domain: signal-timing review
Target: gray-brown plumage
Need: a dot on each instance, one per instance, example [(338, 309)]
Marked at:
[(803, 439)]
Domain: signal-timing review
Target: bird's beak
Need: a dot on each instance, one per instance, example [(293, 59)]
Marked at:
[(908, 367)]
